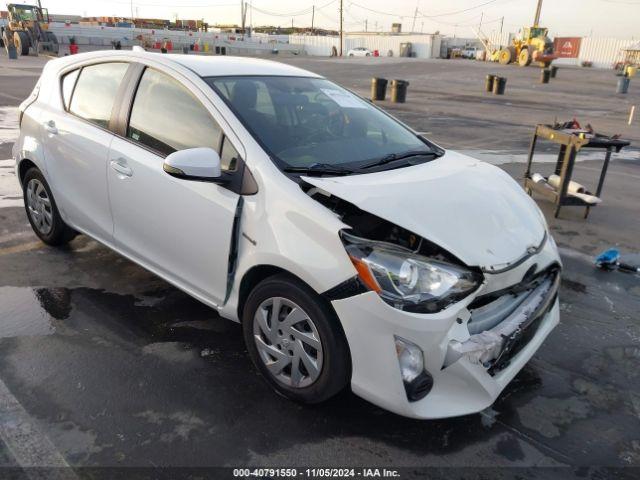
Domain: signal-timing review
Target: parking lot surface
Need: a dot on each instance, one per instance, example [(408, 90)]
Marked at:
[(102, 364)]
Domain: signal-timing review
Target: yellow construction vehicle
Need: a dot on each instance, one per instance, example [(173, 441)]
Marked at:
[(28, 28), (532, 45)]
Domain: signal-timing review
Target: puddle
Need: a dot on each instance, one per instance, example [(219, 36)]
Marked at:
[(32, 311), (172, 326)]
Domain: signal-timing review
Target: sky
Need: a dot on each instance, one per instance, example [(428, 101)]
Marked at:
[(599, 18)]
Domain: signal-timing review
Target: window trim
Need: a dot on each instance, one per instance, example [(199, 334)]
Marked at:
[(62, 77), (129, 97), (231, 180), (67, 109)]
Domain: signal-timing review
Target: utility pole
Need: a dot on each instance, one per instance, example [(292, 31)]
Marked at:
[(341, 33), (313, 16), (415, 14), (242, 7), (538, 10), (132, 22), (365, 24)]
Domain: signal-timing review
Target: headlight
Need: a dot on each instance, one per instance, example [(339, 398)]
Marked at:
[(406, 280)]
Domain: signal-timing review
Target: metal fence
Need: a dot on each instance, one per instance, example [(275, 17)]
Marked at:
[(99, 36)]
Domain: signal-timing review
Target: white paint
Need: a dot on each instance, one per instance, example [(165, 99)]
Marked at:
[(8, 124), (474, 210), (27, 444), (500, 157), (10, 191)]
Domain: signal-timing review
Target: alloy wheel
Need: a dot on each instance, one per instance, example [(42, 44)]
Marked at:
[(39, 206), (288, 342)]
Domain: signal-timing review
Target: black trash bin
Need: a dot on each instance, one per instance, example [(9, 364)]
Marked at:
[(378, 88), (185, 50), (554, 71), (488, 84), (499, 85), (399, 90), (545, 75)]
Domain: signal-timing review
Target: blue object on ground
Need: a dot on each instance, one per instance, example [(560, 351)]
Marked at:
[(608, 259)]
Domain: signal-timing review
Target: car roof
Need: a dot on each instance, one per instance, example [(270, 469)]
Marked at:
[(204, 65)]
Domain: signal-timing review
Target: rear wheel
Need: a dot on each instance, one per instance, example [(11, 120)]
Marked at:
[(505, 56), (42, 211), (21, 41), (295, 340)]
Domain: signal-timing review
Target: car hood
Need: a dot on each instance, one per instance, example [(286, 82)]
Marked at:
[(470, 208)]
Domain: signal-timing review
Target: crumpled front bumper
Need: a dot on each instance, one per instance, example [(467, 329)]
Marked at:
[(461, 386)]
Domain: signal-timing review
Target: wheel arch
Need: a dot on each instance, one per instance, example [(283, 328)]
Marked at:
[(23, 167), (254, 276)]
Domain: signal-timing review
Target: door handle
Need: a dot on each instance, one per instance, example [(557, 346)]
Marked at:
[(50, 127), (120, 166)]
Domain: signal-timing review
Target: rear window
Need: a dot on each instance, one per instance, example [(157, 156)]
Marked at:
[(96, 91), (68, 82)]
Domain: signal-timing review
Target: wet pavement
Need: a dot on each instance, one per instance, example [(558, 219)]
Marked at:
[(116, 368)]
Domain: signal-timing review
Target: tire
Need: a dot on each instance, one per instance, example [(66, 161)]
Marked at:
[(277, 347), (505, 56), (21, 41), (5, 40), (42, 210), (524, 59)]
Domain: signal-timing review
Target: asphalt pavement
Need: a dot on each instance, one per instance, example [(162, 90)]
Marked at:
[(102, 364)]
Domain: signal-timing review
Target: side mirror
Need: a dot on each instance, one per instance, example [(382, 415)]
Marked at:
[(194, 164)]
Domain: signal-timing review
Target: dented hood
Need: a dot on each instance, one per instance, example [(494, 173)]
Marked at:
[(470, 208)]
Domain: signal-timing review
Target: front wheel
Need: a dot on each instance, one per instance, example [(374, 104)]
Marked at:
[(42, 211), (295, 340), (21, 41)]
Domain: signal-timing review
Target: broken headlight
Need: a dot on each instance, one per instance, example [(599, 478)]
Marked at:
[(407, 280)]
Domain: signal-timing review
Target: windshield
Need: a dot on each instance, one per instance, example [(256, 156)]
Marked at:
[(303, 122)]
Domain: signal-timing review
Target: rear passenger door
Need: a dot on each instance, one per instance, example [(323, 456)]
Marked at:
[(76, 145), (180, 229)]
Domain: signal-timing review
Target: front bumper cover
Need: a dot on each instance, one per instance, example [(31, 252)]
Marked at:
[(459, 388)]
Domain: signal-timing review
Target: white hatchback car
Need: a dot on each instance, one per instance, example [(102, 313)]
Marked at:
[(359, 52), (352, 249)]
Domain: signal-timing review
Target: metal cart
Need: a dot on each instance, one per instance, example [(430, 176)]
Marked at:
[(571, 142)]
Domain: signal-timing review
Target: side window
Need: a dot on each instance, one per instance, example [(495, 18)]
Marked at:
[(229, 156), (68, 82), (96, 91), (166, 117)]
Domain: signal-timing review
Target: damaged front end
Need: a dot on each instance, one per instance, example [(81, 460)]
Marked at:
[(456, 328), (502, 323)]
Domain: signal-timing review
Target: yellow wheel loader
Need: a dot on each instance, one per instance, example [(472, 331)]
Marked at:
[(28, 28), (533, 45)]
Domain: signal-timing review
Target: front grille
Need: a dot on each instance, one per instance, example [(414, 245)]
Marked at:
[(521, 338), (503, 323)]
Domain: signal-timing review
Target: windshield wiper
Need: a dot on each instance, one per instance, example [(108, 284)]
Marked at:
[(319, 168), (392, 157)]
